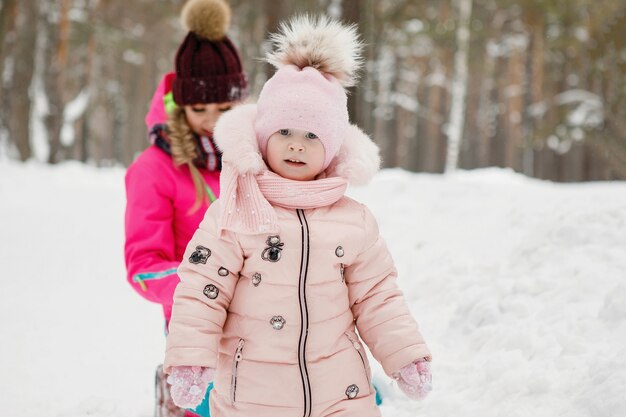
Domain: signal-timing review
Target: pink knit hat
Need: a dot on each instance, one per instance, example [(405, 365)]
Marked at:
[(316, 60), (303, 99)]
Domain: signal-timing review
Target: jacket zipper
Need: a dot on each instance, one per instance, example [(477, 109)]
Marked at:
[(304, 313), (357, 347), (233, 379)]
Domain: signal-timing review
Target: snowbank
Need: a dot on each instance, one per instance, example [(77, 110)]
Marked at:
[(519, 286)]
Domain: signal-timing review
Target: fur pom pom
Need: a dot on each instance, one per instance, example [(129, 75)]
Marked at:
[(322, 43), (208, 19)]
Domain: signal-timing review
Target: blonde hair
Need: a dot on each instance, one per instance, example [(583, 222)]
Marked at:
[(184, 152)]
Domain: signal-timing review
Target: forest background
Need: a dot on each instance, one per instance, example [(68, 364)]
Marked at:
[(535, 85)]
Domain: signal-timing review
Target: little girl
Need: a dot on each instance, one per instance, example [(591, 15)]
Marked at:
[(284, 270)]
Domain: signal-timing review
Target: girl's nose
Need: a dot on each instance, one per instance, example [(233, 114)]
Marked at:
[(297, 147)]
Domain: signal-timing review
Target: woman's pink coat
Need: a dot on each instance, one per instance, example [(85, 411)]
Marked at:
[(334, 277), (159, 221)]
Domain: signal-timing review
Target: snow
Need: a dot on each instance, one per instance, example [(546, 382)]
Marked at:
[(39, 141), (134, 57), (334, 9), (71, 113), (414, 26), (588, 112), (518, 285)]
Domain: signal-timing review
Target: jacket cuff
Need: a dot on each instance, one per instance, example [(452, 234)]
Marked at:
[(189, 357), (396, 361)]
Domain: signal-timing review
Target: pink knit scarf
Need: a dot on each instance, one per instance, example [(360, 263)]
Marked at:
[(247, 200)]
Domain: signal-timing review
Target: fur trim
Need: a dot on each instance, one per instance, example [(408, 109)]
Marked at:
[(208, 19), (357, 161), (322, 43), (235, 136)]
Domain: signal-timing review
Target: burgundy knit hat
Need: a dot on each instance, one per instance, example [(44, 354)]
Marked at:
[(208, 67)]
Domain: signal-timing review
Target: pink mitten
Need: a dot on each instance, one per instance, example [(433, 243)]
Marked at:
[(189, 384), (415, 379)]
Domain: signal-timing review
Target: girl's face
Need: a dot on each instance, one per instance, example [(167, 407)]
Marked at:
[(202, 117), (295, 154)]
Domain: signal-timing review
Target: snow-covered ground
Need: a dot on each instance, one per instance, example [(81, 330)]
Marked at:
[(519, 286)]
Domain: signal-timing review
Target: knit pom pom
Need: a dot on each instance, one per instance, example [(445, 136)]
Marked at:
[(322, 43), (208, 19)]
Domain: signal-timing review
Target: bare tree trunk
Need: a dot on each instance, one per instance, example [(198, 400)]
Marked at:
[(408, 125), (534, 91), (384, 131), (459, 86), (275, 14), (547, 162), (487, 116), (8, 14), (469, 155), (19, 87), (421, 118), (515, 108), (432, 140), (250, 28), (56, 59), (83, 137), (352, 13), (367, 86), (8, 17)]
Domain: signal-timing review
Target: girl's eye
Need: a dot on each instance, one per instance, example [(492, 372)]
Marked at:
[(197, 109), (310, 135), (225, 109), (284, 132)]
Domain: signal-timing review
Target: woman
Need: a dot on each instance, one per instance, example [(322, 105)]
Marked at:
[(171, 184)]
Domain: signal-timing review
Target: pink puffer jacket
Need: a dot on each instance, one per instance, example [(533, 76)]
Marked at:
[(277, 315), (159, 221)]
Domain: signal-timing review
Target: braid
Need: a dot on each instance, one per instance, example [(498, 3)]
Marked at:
[(184, 152)]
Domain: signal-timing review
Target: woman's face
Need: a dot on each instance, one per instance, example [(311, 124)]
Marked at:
[(202, 117)]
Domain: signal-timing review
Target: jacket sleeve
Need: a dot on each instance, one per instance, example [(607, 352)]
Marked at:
[(149, 247), (209, 274), (382, 315)]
